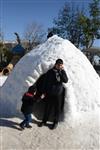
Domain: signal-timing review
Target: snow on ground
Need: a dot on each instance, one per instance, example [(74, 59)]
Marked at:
[(83, 134), (80, 130), (2, 80)]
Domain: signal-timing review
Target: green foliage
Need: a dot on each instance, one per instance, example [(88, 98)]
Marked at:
[(67, 24), (5, 54), (8, 55), (86, 29), (73, 24), (94, 9), (90, 25), (1, 51), (95, 18)]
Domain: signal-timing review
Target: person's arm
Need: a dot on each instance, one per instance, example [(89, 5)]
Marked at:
[(63, 76)]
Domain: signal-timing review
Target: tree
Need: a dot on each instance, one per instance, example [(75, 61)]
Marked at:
[(73, 24), (33, 35), (67, 26), (95, 18), (90, 25), (87, 35), (1, 46), (8, 55), (5, 53), (1, 51)]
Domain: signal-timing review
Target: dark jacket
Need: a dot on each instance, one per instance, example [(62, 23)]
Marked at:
[(54, 80), (28, 99), (55, 94), (40, 84), (27, 103)]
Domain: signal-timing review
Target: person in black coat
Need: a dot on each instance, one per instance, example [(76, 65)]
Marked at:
[(54, 90)]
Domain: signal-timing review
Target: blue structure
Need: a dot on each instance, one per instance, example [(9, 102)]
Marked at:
[(18, 50)]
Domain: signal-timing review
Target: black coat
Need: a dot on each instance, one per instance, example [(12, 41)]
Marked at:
[(28, 101), (54, 85), (40, 84), (54, 80), (27, 104)]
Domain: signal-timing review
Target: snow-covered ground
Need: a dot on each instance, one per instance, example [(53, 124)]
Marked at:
[(81, 134), (80, 129)]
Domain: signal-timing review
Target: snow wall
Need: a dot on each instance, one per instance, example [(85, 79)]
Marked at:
[(83, 87)]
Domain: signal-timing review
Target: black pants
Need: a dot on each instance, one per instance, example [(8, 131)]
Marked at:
[(52, 103)]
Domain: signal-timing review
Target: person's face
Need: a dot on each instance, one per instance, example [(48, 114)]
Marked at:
[(59, 66)]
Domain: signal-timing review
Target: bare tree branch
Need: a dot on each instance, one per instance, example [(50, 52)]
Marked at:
[(34, 34)]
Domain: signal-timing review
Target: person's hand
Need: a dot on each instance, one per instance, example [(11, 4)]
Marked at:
[(62, 67), (42, 96)]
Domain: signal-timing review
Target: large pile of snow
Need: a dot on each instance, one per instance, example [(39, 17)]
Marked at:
[(83, 87)]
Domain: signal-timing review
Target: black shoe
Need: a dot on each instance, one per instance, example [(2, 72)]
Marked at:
[(28, 126), (40, 124), (53, 126), (22, 126)]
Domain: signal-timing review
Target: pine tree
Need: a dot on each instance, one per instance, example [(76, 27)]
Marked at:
[(95, 18), (73, 24), (66, 25), (90, 25)]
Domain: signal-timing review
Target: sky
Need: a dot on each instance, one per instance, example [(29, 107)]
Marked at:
[(17, 14)]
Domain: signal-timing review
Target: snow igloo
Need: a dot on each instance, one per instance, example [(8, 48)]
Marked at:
[(83, 87)]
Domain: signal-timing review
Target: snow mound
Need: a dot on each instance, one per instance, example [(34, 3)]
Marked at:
[(83, 87)]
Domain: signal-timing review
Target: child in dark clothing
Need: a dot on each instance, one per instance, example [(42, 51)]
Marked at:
[(27, 107), (35, 93)]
